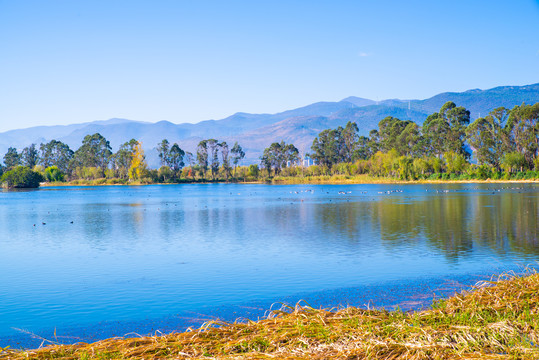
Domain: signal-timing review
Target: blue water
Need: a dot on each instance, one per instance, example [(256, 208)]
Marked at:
[(93, 262)]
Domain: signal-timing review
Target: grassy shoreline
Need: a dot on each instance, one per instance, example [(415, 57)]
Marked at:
[(494, 320)]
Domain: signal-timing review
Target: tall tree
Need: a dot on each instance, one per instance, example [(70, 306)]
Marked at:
[(390, 129), (435, 130), (189, 158), (213, 156), (123, 158), (445, 131), (94, 152), (12, 158), (55, 153), (138, 164), (202, 157), (176, 155), (237, 155), (374, 142), (163, 148), (224, 158), (278, 155), (291, 154), (410, 141), (523, 127), (327, 147), (30, 156), (350, 140), (489, 138), (362, 149), (457, 118)]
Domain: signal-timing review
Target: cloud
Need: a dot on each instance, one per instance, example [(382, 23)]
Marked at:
[(364, 54)]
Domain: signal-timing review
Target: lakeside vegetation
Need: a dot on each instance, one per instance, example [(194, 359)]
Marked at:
[(504, 145), (495, 320)]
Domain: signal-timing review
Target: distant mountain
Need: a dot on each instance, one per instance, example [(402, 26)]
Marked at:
[(359, 102), (256, 131)]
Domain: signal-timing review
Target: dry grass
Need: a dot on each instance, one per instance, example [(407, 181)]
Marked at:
[(368, 179), (495, 320)]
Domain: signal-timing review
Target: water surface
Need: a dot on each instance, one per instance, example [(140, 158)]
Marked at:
[(94, 262)]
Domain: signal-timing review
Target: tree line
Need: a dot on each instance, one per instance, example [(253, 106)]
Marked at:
[(505, 143), (502, 144), (94, 160)]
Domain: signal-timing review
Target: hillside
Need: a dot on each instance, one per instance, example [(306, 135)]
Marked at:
[(256, 131)]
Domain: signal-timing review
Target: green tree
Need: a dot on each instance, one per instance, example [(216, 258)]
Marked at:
[(389, 130), (455, 163), (327, 147), (12, 158), (362, 149), (374, 142), (94, 152), (21, 177), (523, 129), (489, 138), (165, 173), (225, 159), (213, 157), (30, 156), (446, 130), (350, 139), (278, 155), (202, 157), (410, 141), (513, 161), (421, 167), (163, 148), (123, 158), (53, 173), (435, 129), (213, 154), (237, 155), (189, 158), (406, 167), (175, 157), (55, 153), (253, 171)]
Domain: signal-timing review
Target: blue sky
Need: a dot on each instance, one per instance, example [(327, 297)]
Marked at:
[(65, 62)]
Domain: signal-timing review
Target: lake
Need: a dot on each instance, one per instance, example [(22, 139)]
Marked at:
[(94, 262)]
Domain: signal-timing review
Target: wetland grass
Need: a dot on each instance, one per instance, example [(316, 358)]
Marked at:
[(493, 320)]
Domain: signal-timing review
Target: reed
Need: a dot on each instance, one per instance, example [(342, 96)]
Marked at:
[(497, 319), (368, 179)]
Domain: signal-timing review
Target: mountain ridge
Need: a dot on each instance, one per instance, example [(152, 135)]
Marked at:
[(257, 131)]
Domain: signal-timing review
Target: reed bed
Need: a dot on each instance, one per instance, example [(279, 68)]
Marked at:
[(368, 179), (498, 319)]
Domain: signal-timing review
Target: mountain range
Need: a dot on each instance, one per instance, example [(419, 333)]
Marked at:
[(254, 132)]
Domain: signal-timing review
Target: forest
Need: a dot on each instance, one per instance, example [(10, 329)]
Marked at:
[(447, 146)]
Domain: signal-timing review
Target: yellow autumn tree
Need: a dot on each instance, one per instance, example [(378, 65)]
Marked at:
[(138, 163)]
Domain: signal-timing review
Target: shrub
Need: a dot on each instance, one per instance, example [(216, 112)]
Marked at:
[(52, 173), (21, 177)]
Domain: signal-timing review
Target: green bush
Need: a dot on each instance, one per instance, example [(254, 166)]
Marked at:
[(52, 174), (21, 177)]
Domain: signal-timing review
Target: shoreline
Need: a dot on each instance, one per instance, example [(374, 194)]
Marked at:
[(309, 182), (410, 295), (495, 317)]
